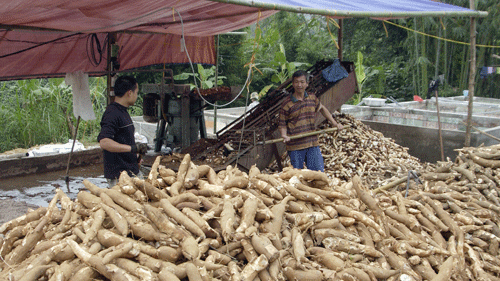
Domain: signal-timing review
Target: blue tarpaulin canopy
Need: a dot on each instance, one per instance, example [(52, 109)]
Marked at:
[(363, 8), (53, 37)]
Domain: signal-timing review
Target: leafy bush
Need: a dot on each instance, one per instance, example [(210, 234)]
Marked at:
[(40, 111)]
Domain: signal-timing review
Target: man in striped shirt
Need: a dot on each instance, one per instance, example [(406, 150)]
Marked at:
[(298, 116)]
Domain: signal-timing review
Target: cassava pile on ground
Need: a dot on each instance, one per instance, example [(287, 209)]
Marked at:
[(196, 224), (359, 150)]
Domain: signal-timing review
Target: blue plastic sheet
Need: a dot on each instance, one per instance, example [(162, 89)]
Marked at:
[(334, 72), (372, 5)]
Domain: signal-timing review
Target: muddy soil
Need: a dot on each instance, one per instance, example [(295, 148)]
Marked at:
[(19, 194), (11, 209)]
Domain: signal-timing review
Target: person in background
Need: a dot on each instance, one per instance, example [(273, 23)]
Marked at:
[(254, 97), (117, 133), (297, 116)]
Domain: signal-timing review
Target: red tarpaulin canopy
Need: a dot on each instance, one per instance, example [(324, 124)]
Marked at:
[(45, 38), (53, 37)]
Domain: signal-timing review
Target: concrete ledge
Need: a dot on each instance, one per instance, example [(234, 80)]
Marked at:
[(42, 164)]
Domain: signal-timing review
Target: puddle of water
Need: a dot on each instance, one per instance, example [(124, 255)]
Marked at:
[(39, 189)]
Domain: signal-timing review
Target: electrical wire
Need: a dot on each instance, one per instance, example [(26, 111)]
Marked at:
[(437, 37), (34, 42), (93, 46), (183, 46), (246, 85), (38, 45), (87, 31)]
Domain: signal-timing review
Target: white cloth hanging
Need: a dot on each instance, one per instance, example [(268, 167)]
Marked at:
[(82, 105)]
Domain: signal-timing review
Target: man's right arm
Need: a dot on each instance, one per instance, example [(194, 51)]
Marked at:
[(284, 136), (113, 146), (282, 125), (108, 130)]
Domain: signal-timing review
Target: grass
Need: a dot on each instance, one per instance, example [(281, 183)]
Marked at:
[(40, 111)]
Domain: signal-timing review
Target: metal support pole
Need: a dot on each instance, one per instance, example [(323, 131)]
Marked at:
[(161, 132), (185, 120)]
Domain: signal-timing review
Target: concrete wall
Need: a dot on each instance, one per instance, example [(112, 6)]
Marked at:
[(224, 117), (422, 143), (144, 128), (39, 165)]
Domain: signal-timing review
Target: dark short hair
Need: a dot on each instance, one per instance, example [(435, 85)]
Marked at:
[(300, 73), (124, 84)]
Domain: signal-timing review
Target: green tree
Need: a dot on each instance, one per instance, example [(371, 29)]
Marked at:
[(285, 42), (232, 57)]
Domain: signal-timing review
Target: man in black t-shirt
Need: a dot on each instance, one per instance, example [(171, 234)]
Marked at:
[(117, 132)]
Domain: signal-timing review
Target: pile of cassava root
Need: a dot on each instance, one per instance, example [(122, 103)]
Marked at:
[(359, 150), (196, 224), (355, 150)]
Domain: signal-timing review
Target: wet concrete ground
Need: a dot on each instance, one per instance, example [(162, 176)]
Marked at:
[(39, 189)]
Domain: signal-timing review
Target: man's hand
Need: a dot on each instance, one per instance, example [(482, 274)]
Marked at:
[(339, 126), (140, 148), (285, 139)]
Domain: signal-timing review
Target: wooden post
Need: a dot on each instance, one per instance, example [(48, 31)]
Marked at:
[(340, 38), (215, 118), (71, 152), (439, 129), (216, 77), (216, 60), (472, 75), (108, 70), (341, 42), (277, 156), (483, 132)]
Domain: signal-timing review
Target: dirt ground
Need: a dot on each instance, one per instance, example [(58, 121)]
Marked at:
[(10, 209)]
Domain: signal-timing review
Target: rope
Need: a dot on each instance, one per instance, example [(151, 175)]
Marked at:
[(330, 32), (437, 37)]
